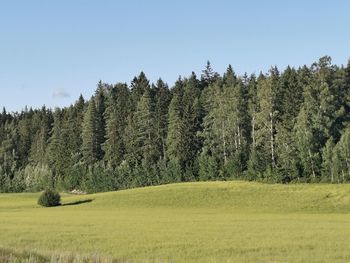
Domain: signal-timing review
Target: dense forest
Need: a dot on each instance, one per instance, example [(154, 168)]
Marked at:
[(285, 127)]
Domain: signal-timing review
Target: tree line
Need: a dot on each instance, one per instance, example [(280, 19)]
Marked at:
[(282, 127)]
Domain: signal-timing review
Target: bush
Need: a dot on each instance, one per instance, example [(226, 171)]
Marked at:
[(49, 198)]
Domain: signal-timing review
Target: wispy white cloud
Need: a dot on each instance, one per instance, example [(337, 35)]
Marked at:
[(60, 93)]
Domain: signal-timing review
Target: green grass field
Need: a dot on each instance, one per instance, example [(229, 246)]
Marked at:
[(188, 222)]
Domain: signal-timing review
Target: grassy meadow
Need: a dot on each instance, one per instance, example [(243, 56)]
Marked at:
[(187, 222)]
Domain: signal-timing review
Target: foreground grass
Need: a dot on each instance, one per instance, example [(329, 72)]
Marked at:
[(191, 222)]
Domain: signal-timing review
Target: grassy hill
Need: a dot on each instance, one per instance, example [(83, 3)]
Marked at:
[(188, 222)]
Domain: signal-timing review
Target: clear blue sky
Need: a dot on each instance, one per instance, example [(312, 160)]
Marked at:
[(51, 51)]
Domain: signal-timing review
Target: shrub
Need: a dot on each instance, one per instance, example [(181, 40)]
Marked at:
[(49, 198)]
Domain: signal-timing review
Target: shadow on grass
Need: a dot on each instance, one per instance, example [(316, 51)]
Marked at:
[(79, 202)]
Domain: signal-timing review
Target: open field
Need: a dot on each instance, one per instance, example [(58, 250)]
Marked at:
[(188, 222)]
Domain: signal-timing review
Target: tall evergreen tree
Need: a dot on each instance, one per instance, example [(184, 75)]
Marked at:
[(265, 119), (58, 155), (142, 145), (9, 150), (90, 143), (100, 100), (306, 134), (175, 135), (191, 121), (75, 121), (208, 76), (286, 148), (138, 87), (39, 145), (116, 120), (162, 101)]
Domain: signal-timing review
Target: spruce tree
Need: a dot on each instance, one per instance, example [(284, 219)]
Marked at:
[(116, 120), (138, 87), (265, 119), (208, 76), (286, 148), (175, 141), (40, 142), (143, 125), (9, 157), (75, 122), (100, 134), (191, 121), (162, 101), (306, 132), (58, 154), (90, 144)]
